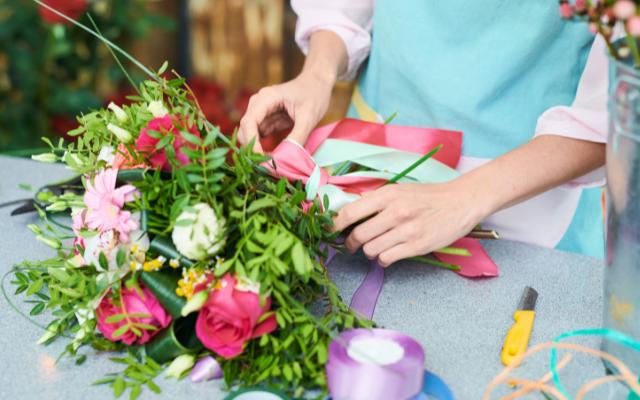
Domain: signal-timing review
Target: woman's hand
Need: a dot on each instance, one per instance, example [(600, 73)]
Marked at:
[(297, 105), (409, 220)]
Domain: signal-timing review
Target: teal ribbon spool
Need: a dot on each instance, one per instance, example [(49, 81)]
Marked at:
[(179, 338), (256, 393)]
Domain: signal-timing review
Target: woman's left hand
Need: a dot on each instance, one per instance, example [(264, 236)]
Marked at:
[(409, 219)]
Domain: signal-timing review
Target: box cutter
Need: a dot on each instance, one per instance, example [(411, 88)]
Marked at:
[(518, 335)]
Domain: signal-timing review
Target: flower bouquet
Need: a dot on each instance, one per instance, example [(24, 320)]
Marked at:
[(183, 247)]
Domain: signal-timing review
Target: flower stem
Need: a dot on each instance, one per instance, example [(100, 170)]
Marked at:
[(436, 263), (455, 251), (631, 42), (612, 50)]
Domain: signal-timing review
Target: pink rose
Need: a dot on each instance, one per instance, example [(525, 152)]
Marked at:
[(164, 125), (132, 304), (230, 317)]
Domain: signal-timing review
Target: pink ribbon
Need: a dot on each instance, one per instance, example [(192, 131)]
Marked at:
[(294, 162)]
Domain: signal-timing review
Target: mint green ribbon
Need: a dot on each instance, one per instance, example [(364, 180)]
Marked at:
[(608, 334), (384, 162)]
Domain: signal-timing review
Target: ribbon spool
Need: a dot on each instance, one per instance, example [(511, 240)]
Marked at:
[(375, 364), (256, 394)]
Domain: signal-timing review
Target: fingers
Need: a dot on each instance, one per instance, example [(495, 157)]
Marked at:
[(360, 209), (398, 252), (369, 230), (260, 105), (302, 126), (374, 248)]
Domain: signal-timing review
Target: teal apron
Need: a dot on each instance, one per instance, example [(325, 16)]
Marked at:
[(487, 68)]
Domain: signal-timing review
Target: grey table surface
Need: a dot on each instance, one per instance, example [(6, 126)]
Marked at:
[(460, 322)]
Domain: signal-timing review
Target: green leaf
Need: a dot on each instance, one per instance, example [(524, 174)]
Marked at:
[(102, 260), (121, 331), (288, 374), (59, 274), (191, 138), (135, 391), (115, 318), (35, 287), (120, 257), (38, 309), (104, 380), (118, 387), (154, 388), (163, 68), (300, 259), (260, 204)]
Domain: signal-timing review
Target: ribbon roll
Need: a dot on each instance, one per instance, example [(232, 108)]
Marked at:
[(256, 394), (375, 364)]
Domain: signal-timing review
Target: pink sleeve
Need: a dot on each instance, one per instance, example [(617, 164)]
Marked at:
[(351, 20), (587, 117)]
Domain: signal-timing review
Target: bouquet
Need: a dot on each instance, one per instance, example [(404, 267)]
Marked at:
[(183, 247)]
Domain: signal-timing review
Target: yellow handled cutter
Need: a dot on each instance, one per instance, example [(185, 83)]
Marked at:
[(518, 335)]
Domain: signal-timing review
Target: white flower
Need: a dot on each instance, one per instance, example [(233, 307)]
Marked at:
[(45, 157), (245, 284), (117, 111), (180, 364), (122, 134), (199, 233), (106, 154), (157, 109), (108, 243)]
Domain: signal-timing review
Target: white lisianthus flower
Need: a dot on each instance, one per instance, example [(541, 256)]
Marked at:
[(199, 232), (107, 155), (157, 109), (45, 157), (180, 364), (122, 134), (117, 111)]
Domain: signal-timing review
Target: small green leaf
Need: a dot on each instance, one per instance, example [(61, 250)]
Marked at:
[(135, 391), (191, 138), (37, 309), (118, 387), (260, 204), (102, 260), (120, 257), (121, 331)]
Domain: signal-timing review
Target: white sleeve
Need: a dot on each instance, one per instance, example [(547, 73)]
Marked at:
[(351, 20), (587, 117)]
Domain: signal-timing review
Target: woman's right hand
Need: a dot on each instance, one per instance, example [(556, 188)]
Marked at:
[(297, 105)]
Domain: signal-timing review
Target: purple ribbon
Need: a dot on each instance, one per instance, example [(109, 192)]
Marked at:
[(365, 298), (206, 369), (354, 380)]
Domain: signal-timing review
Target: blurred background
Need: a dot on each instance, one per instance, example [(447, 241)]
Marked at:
[(51, 71)]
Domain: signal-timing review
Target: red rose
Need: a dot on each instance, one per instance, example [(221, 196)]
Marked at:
[(71, 8), (230, 318)]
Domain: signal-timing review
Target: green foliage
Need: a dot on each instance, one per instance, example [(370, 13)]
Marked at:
[(53, 72)]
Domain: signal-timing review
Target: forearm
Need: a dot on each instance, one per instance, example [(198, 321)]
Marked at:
[(327, 57), (542, 164)]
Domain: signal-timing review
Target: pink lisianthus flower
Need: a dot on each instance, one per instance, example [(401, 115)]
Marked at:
[(132, 303), (105, 202), (165, 125), (230, 318)]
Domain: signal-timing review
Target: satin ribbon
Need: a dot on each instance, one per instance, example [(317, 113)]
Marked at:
[(348, 378), (206, 369), (256, 393)]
